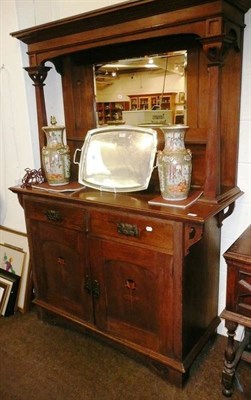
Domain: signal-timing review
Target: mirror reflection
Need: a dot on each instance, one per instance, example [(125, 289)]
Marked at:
[(149, 90)]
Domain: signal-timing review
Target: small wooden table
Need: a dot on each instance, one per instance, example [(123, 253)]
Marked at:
[(238, 307)]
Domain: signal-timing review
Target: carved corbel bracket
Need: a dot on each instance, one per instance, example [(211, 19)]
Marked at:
[(221, 35), (224, 214), (193, 233), (58, 64), (38, 74)]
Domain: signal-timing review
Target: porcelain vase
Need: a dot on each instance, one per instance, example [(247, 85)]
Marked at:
[(56, 155), (174, 164)]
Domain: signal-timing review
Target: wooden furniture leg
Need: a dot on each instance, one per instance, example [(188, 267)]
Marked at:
[(229, 364), (233, 356)]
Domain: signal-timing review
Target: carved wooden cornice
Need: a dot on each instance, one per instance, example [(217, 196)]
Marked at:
[(217, 23)]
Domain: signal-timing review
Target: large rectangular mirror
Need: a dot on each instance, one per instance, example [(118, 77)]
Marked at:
[(149, 90)]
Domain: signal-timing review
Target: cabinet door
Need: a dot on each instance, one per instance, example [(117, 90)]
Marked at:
[(136, 294), (134, 103), (144, 103), (59, 269), (154, 101), (100, 112), (166, 103)]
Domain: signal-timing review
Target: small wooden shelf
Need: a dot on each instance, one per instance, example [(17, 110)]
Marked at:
[(111, 111), (148, 101)]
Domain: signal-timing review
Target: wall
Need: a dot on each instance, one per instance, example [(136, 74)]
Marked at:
[(19, 147), (140, 83), (18, 135)]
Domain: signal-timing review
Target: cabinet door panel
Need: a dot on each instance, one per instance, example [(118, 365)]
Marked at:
[(136, 296), (59, 269)]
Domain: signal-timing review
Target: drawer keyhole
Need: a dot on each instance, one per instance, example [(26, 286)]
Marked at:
[(61, 260), (130, 284)]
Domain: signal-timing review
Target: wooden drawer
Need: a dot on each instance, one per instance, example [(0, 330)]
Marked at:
[(141, 230), (239, 288), (67, 216)]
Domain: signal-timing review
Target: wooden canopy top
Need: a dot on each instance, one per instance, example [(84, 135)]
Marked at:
[(132, 21)]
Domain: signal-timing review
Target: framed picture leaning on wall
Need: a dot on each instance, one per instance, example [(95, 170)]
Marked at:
[(12, 259), (7, 306), (17, 241), (3, 294)]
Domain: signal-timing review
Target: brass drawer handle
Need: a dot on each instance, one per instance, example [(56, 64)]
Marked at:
[(53, 215), (127, 229)]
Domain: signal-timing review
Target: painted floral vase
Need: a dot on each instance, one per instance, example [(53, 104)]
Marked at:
[(56, 155), (174, 164)]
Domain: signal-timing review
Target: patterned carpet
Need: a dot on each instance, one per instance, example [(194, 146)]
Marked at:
[(47, 362)]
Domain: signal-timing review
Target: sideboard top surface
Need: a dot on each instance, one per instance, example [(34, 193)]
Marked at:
[(136, 202)]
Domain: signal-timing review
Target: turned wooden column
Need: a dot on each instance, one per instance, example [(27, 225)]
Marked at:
[(235, 351), (38, 74)]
